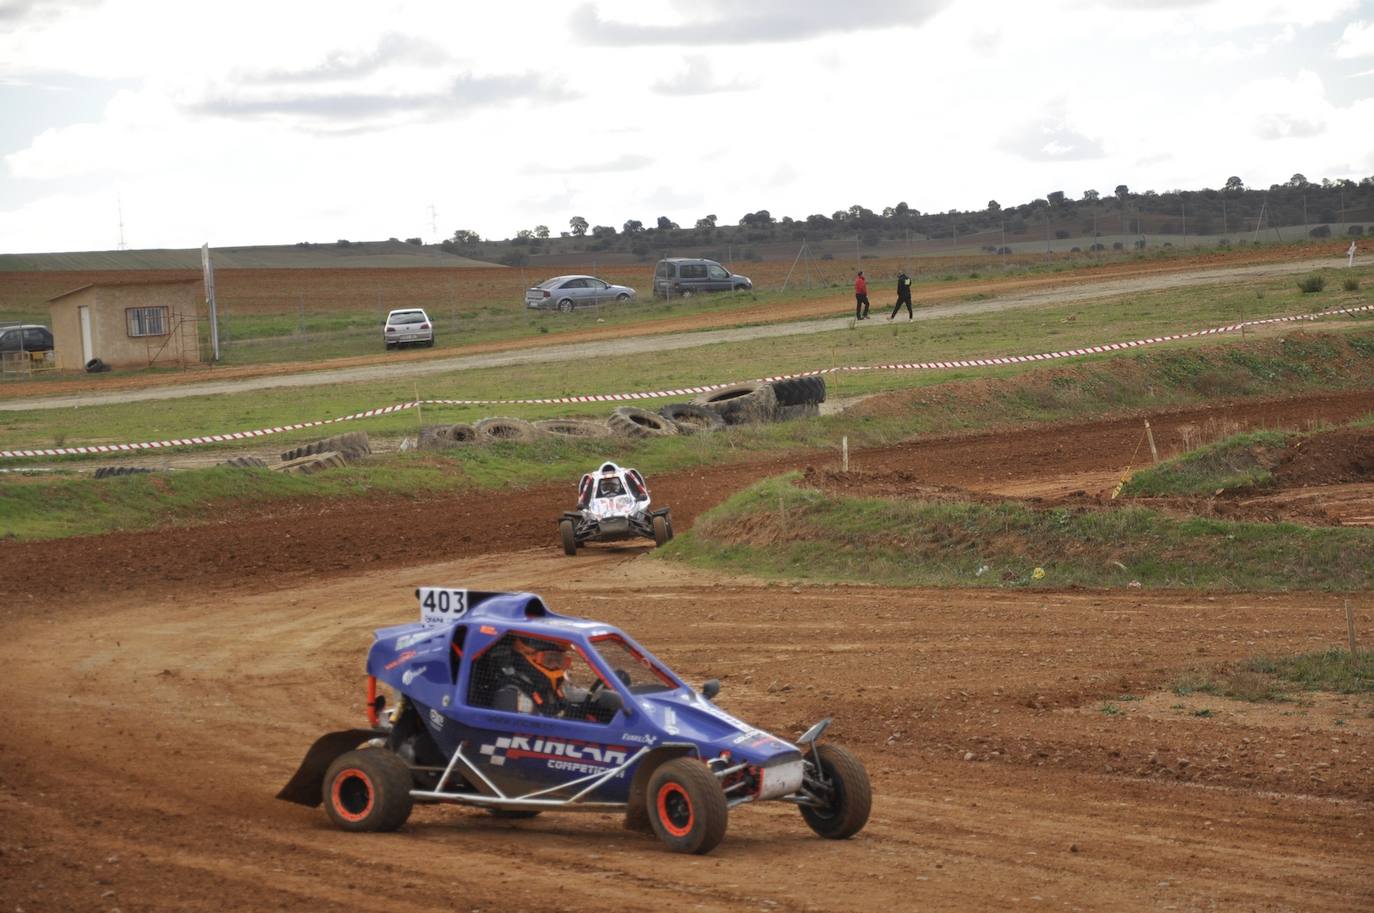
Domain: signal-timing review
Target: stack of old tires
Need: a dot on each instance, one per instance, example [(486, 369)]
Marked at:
[(737, 404)]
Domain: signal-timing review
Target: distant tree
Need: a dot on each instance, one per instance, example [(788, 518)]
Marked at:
[(465, 236), (416, 241), (707, 221), (578, 225), (994, 206), (1056, 198), (667, 224), (633, 226), (1234, 185), (1090, 196), (394, 240), (889, 212), (1122, 191), (342, 242), (839, 215), (541, 231), (603, 231), (1298, 180), (816, 220), (901, 208), (524, 234), (763, 218)]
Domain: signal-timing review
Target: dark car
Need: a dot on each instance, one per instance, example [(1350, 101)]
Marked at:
[(687, 276), (30, 337)]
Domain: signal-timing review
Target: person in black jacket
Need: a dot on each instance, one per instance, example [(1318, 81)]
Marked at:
[(903, 297)]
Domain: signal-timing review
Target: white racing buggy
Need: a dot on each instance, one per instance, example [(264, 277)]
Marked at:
[(613, 504)]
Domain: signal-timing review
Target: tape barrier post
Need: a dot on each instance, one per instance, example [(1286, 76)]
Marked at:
[(984, 362)]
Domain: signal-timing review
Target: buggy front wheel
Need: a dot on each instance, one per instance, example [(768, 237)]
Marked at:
[(662, 531), (569, 535), (687, 807), (842, 784), (368, 789)]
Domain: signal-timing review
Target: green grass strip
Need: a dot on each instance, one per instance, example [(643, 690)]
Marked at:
[(778, 529)]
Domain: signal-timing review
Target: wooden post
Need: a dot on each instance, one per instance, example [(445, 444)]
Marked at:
[(1350, 628), (844, 454), (1150, 435)]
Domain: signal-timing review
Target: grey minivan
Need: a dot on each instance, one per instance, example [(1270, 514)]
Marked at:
[(689, 275)]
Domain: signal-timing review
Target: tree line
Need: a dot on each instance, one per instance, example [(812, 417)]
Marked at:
[(1233, 209)]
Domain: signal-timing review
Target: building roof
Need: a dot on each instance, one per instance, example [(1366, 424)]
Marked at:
[(131, 282)]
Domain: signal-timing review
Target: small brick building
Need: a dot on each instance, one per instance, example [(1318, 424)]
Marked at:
[(128, 325)]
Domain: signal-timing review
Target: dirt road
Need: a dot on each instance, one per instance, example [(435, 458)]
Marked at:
[(746, 323), (141, 755)]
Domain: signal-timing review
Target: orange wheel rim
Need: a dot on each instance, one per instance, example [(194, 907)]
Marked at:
[(675, 810), (352, 794)]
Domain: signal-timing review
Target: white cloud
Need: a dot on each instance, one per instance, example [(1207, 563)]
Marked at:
[(1356, 41), (349, 119)]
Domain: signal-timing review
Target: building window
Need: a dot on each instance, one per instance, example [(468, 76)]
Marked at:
[(147, 321)]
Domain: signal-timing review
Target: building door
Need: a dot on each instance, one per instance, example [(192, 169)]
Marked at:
[(87, 344)]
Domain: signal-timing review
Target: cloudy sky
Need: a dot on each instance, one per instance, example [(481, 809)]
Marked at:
[(274, 122)]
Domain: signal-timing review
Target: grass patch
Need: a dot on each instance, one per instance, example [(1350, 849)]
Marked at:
[(777, 529), (1273, 678), (1331, 670), (53, 508), (1238, 461)]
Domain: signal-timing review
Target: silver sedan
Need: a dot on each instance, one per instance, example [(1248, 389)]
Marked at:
[(568, 292)]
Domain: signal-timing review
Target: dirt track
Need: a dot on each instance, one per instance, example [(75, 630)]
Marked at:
[(165, 686)]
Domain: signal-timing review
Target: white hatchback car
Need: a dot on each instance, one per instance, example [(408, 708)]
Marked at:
[(408, 325)]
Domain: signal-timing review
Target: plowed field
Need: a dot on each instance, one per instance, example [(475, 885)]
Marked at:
[(1024, 746)]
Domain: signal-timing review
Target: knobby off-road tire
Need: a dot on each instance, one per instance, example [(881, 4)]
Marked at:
[(663, 531), (741, 404), (441, 437), (368, 790), (632, 421), (798, 391), (573, 427), (687, 808), (691, 418), (246, 462), (567, 533), (108, 472), (352, 445), (501, 428), (852, 795)]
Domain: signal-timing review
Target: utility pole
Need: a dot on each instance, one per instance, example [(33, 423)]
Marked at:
[(119, 205), (433, 221)]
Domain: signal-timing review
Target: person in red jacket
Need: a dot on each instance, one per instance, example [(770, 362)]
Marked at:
[(860, 297)]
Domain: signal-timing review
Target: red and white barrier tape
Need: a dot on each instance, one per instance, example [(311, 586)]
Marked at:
[(659, 394)]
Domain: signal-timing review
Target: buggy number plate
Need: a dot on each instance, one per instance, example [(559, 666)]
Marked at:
[(439, 605)]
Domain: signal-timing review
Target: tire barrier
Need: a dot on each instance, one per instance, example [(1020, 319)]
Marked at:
[(741, 404), (109, 472), (631, 421), (505, 429), (442, 437), (573, 427), (246, 462), (351, 445), (691, 418), (993, 361)]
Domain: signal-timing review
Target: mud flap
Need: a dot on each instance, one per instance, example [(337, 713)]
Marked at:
[(307, 785)]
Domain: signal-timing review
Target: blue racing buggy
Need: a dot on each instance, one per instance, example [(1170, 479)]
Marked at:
[(503, 704)]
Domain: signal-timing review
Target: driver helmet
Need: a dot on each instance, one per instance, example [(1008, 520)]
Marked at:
[(551, 658)]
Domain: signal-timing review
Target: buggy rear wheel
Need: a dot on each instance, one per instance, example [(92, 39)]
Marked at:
[(686, 806), (843, 784), (565, 530), (662, 531), (368, 790)]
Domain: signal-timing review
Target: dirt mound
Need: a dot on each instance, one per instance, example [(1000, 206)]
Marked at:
[(1329, 458)]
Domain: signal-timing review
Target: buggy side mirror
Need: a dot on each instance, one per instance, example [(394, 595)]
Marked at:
[(710, 688)]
